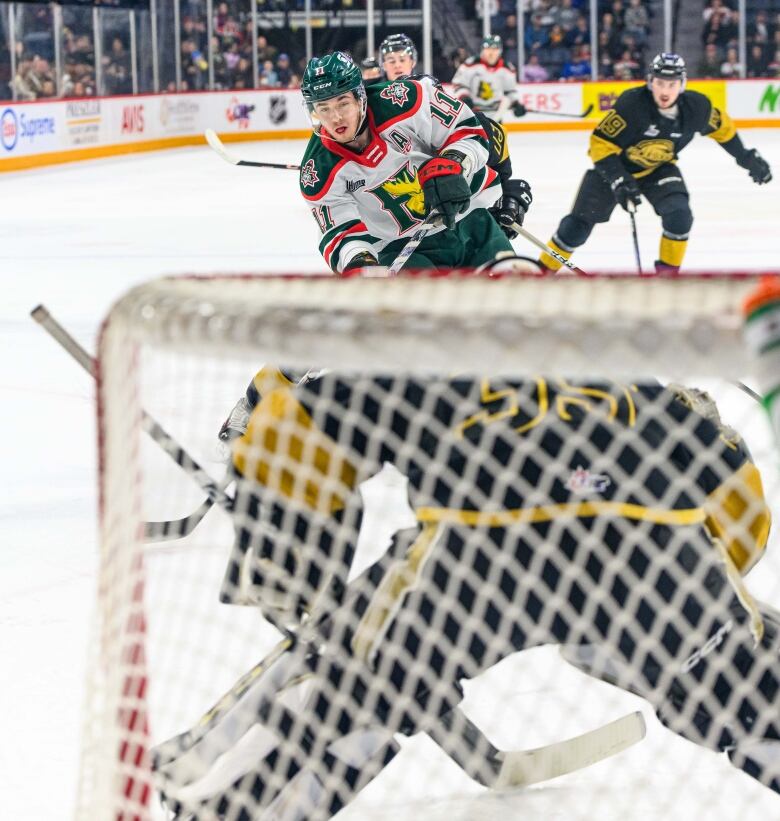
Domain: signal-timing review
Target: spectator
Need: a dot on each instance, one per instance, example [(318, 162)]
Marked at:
[(268, 75), (731, 68), (757, 63), (637, 21), (566, 15), (578, 66), (758, 32), (709, 67), (627, 67), (580, 34), (536, 36), (773, 69), (606, 62), (613, 40), (719, 26), (618, 10), (116, 66), (283, 70), (22, 85), (534, 72), (264, 50)]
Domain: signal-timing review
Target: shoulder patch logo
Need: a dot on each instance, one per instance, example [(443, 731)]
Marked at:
[(309, 176), (612, 124), (397, 94)]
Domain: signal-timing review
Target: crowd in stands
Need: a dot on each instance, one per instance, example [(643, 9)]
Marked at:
[(557, 38), (557, 46), (719, 37)]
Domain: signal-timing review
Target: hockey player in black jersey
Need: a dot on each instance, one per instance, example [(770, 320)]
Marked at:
[(635, 149)]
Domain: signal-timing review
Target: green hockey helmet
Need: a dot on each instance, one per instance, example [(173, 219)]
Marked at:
[(493, 41), (330, 76)]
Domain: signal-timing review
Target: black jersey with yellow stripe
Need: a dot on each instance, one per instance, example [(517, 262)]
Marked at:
[(505, 453), (636, 133)]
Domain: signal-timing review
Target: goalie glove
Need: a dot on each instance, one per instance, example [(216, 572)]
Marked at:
[(511, 207)]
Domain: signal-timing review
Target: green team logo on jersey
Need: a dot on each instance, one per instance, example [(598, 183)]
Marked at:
[(402, 197)]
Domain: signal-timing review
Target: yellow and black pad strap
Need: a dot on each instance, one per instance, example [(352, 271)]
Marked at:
[(737, 514), (284, 451)]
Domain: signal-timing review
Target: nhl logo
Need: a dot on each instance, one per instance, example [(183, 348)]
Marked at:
[(277, 109), (319, 71)]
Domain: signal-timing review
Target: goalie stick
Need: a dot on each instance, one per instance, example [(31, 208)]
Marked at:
[(456, 735), (154, 531)]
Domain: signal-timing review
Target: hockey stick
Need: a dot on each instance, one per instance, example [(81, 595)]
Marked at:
[(214, 141), (411, 245), (214, 491), (561, 113), (546, 248), (632, 214), (521, 768)]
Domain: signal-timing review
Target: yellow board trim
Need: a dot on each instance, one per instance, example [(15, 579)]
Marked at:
[(100, 151), (570, 510), (95, 152)]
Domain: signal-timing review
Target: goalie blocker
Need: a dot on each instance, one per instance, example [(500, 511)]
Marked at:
[(496, 489)]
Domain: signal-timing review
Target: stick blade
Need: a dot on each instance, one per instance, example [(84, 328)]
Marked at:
[(214, 141), (526, 767)]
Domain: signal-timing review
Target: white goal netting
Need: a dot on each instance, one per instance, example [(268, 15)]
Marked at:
[(451, 520)]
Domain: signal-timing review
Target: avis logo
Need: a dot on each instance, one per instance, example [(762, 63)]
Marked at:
[(238, 112), (712, 642), (583, 481), (9, 129), (133, 119)]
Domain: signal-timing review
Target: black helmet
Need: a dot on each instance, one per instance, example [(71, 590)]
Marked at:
[(395, 43), (669, 66)]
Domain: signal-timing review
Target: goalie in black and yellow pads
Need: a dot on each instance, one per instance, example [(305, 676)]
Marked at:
[(409, 532), (635, 149)]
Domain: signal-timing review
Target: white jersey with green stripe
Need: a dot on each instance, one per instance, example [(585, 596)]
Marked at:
[(362, 202)]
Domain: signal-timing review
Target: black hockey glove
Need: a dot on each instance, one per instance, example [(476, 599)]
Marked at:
[(519, 110), (756, 166), (626, 192), (362, 260), (512, 206), (444, 187)]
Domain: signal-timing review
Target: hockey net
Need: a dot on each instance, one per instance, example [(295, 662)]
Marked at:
[(468, 515)]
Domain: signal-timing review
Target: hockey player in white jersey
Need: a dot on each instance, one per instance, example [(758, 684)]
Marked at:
[(398, 56), (384, 158), (487, 83)]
